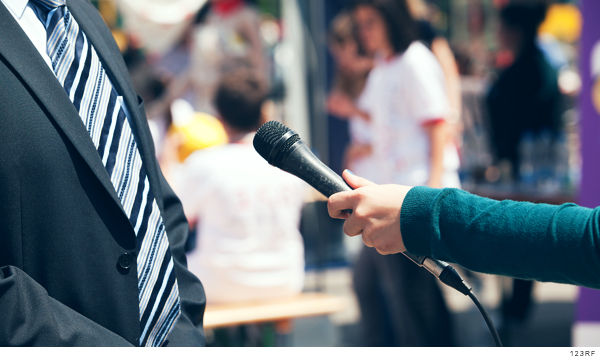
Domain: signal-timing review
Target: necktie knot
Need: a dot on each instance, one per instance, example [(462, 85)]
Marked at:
[(50, 4), (42, 8)]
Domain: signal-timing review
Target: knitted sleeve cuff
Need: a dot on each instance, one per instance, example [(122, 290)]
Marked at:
[(416, 223)]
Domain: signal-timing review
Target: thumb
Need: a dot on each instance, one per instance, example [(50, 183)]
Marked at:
[(354, 181)]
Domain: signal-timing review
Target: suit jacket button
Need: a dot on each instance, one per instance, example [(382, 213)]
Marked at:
[(126, 261)]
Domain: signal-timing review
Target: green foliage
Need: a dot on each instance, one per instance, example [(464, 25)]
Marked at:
[(272, 7)]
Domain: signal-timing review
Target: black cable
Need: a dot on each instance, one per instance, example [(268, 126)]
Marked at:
[(449, 276), (487, 319)]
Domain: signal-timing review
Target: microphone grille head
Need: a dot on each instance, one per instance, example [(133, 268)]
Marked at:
[(268, 135)]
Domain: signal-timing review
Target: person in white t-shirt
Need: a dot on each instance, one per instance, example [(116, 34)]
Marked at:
[(406, 105), (247, 213), (405, 98)]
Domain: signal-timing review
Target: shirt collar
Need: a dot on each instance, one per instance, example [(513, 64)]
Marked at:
[(17, 7)]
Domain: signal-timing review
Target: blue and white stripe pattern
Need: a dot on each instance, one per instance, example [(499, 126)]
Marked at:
[(80, 72)]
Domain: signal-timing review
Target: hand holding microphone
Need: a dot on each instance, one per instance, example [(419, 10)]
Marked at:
[(376, 213), (378, 207)]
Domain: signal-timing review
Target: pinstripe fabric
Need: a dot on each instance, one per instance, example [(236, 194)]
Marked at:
[(81, 73)]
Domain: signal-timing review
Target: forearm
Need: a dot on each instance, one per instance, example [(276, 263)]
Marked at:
[(362, 114), (437, 140), (443, 53), (522, 240)]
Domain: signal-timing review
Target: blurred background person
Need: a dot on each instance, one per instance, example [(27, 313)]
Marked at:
[(223, 35), (524, 104), (525, 100), (246, 212), (227, 33), (352, 70), (406, 104)]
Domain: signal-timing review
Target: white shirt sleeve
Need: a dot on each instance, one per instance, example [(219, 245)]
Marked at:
[(426, 82)]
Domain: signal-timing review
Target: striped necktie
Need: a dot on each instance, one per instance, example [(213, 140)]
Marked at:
[(81, 73)]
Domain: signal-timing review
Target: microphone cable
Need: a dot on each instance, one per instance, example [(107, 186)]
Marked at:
[(487, 319), (449, 276)]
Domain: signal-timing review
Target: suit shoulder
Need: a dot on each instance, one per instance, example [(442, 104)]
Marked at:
[(83, 3), (86, 8)]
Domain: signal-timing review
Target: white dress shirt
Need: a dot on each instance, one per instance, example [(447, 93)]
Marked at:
[(30, 24)]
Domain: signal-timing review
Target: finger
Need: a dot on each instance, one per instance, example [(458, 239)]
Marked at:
[(352, 227), (354, 181), (339, 202), (367, 241), (343, 215), (381, 252)]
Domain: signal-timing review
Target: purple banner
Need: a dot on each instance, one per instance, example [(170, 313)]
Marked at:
[(588, 309)]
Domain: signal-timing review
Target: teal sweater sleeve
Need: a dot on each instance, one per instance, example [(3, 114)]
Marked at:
[(521, 240)]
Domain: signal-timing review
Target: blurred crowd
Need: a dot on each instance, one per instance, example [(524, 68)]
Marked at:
[(428, 99)]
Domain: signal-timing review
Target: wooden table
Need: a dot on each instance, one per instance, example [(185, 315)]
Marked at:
[(281, 310)]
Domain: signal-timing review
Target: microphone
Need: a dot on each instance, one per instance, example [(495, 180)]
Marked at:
[(284, 149)]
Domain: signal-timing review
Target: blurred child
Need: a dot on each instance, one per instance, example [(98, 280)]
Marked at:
[(246, 212)]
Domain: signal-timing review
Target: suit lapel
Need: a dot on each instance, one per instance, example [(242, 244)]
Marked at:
[(42, 82), (18, 50), (111, 58)]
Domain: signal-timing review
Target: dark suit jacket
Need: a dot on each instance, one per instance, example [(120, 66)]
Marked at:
[(62, 226)]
